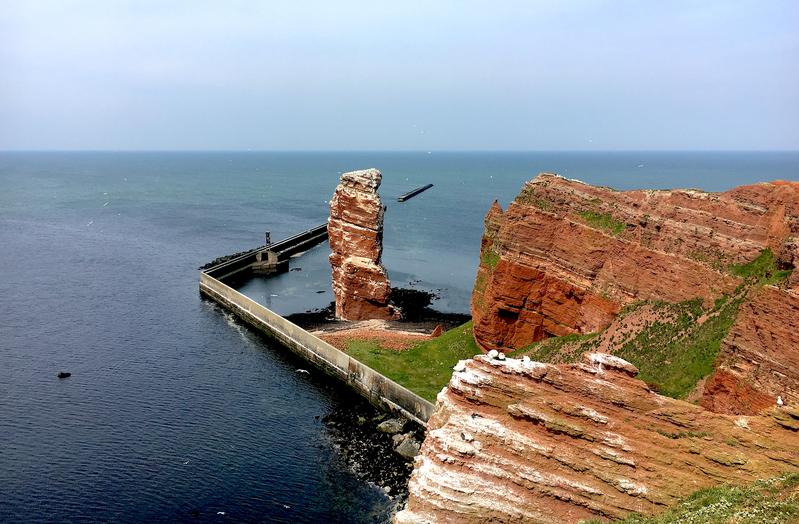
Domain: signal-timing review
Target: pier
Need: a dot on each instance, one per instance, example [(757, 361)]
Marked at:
[(413, 193), (268, 259), (378, 389)]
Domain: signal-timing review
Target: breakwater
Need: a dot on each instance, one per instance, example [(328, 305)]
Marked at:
[(378, 389)]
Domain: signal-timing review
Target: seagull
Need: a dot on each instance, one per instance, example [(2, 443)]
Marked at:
[(779, 401), (220, 512), (304, 371)]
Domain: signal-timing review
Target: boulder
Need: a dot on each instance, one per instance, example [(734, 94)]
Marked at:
[(391, 426)]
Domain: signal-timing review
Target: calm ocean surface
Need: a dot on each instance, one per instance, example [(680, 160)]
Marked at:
[(176, 413)]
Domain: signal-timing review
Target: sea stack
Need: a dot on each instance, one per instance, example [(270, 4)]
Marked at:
[(355, 229)]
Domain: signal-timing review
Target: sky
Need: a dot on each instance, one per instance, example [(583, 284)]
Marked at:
[(400, 75)]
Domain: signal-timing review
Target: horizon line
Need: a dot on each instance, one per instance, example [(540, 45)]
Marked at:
[(423, 151)]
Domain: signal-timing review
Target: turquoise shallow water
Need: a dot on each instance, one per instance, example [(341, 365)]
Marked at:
[(174, 412)]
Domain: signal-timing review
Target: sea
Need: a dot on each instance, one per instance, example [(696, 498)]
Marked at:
[(175, 412)]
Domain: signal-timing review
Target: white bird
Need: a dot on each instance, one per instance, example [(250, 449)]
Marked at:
[(501, 356), (304, 371), (779, 401), (220, 512), (493, 353)]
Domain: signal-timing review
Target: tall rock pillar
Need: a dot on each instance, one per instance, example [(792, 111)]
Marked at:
[(355, 229)]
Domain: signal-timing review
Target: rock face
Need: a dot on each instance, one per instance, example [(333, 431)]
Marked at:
[(355, 230), (565, 256), (759, 357), (521, 441)]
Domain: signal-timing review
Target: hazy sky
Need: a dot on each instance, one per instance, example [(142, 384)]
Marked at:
[(406, 74)]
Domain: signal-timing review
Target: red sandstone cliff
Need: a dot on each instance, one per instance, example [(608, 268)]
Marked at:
[(759, 357), (565, 256), (523, 441), (355, 230)]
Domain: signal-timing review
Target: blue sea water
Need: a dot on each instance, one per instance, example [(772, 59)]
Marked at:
[(175, 412)]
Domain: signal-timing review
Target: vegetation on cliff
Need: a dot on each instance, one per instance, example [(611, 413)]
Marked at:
[(762, 270), (603, 221), (767, 501), (674, 345), (426, 367)]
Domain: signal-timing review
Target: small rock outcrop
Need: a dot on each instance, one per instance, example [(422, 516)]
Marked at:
[(566, 257), (391, 426), (522, 441), (355, 229)]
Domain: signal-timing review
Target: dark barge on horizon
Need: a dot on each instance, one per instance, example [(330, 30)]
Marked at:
[(413, 193)]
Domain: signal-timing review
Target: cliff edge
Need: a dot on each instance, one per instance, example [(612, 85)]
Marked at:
[(515, 440), (566, 257)]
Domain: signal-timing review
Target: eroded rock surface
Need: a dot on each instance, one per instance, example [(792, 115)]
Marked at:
[(565, 256), (523, 441), (759, 358), (355, 229)]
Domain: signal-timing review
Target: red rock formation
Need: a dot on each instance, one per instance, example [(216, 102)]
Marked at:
[(759, 357), (566, 256), (522, 441), (355, 229)]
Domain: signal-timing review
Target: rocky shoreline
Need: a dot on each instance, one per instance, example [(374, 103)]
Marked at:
[(377, 447)]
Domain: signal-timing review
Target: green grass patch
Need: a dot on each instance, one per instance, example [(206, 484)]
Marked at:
[(602, 221), (551, 349), (673, 356), (528, 196), (490, 258), (426, 367), (764, 502), (762, 270)]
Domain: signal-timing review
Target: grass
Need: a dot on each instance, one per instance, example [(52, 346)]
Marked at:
[(602, 221), (490, 258), (762, 270), (550, 350), (426, 367), (766, 501), (673, 356)]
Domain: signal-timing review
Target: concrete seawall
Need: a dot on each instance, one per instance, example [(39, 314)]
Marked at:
[(378, 389)]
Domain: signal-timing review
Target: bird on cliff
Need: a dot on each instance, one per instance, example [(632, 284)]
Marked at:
[(779, 401)]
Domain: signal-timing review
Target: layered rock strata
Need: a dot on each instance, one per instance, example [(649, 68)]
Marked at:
[(565, 256), (521, 441), (759, 358), (355, 229)]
